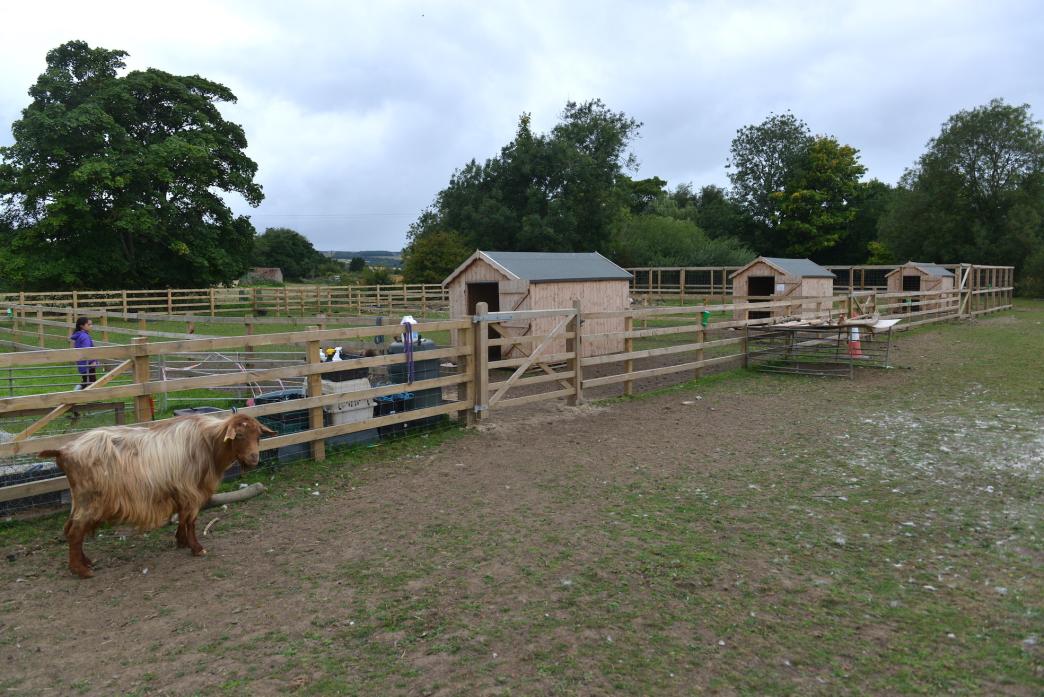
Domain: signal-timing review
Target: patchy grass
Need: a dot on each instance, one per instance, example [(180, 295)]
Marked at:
[(784, 535)]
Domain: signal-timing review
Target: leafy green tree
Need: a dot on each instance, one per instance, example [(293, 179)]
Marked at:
[(976, 194), (115, 181), (655, 240), (356, 264), (859, 245), (432, 257), (643, 194), (289, 250), (376, 276), (711, 209), (762, 158), (814, 207), (556, 192)]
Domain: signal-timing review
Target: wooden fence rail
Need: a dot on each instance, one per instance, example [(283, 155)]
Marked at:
[(682, 339), (288, 300)]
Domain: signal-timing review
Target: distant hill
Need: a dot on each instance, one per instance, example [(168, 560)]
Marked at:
[(378, 257)]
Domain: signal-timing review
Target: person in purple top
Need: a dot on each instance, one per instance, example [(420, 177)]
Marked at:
[(81, 338)]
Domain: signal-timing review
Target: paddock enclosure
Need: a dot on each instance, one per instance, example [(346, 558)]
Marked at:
[(746, 534), (154, 365)]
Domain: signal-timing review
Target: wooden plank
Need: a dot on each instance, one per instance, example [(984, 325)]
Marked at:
[(315, 389), (527, 339), (203, 345), (629, 348), (654, 372), (481, 356), (376, 422), (533, 380), (226, 379), (529, 399), (663, 351), (515, 362), (44, 486), (59, 410)]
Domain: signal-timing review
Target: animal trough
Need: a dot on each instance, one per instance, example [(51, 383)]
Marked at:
[(826, 348)]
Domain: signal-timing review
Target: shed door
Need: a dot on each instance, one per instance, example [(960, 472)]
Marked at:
[(911, 284), (760, 289), (486, 292)]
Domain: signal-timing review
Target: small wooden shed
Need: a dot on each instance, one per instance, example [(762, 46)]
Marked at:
[(920, 277), (771, 278), (511, 281)]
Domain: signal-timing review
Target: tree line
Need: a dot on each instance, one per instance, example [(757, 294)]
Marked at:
[(115, 180), (976, 194)]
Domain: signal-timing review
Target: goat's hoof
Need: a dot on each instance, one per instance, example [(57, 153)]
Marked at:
[(83, 572), (199, 552)]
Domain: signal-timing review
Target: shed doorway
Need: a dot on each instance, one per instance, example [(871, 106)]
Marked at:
[(485, 292), (912, 284), (760, 289)]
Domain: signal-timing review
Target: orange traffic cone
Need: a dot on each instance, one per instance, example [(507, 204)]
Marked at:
[(855, 350)]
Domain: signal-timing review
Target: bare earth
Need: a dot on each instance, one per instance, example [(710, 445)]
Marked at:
[(431, 573)]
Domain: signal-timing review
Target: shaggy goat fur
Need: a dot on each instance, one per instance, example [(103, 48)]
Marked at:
[(139, 475)]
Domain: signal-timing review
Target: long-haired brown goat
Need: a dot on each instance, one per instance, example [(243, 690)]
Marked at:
[(142, 476)]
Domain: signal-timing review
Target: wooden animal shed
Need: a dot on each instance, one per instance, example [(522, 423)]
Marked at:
[(771, 278), (919, 277), (513, 281)]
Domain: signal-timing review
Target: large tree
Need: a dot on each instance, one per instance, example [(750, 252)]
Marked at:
[(815, 206), (428, 257), (762, 158), (976, 194), (116, 180), (559, 192), (290, 251)]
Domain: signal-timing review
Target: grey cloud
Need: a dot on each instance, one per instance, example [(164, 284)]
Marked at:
[(358, 113)]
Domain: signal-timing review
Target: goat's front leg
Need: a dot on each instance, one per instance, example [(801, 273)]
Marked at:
[(180, 536), (190, 533)]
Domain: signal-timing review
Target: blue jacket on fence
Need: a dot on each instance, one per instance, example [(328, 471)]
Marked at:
[(82, 339)]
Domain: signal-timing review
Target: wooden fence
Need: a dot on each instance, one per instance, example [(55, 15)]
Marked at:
[(990, 284), (254, 300), (668, 342)]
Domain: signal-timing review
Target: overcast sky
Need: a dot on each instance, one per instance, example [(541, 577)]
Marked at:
[(357, 113)]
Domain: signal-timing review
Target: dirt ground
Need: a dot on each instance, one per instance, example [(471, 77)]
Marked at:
[(430, 572)]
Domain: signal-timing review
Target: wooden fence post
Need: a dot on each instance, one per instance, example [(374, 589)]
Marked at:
[(40, 328), (465, 390), (315, 389), (698, 373), (628, 348), (681, 285), (141, 320), (76, 302), (576, 347), (140, 356), (105, 325), (744, 344), (480, 329), (212, 304), (170, 302), (123, 299)]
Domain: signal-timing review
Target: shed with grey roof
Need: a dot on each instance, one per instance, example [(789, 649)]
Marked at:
[(919, 277), (772, 278), (515, 281)]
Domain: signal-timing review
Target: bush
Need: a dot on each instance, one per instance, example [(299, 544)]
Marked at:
[(654, 240)]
